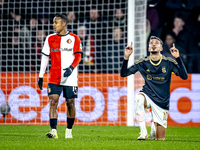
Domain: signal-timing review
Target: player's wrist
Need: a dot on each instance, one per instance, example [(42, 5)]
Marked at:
[(126, 58), (71, 67)]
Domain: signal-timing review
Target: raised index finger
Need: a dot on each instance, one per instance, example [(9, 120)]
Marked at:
[(173, 45), (131, 44)]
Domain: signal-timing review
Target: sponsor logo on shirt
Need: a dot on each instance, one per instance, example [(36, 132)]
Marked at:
[(61, 49), (149, 77)]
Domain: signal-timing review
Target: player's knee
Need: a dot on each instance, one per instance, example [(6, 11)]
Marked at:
[(70, 103), (53, 100), (139, 101)]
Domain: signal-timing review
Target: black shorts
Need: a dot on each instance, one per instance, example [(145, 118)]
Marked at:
[(69, 92)]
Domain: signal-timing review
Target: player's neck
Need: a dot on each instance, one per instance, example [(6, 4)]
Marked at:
[(63, 32), (155, 57)]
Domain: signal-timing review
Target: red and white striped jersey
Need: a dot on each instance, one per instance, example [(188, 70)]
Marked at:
[(61, 49)]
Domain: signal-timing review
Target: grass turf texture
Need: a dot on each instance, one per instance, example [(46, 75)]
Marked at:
[(95, 137)]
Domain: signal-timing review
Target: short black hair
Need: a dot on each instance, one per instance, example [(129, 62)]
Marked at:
[(157, 38), (63, 17)]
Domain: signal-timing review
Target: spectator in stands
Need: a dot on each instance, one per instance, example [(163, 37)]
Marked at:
[(16, 18), (155, 13), (36, 50), (72, 22), (96, 27), (4, 11), (113, 53), (168, 43), (178, 24), (44, 23), (119, 18), (88, 47), (153, 17), (14, 57), (193, 25), (28, 34), (181, 36)]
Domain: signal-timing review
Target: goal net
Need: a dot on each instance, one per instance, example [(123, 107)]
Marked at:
[(103, 30)]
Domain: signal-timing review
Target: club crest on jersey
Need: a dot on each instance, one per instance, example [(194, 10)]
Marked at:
[(49, 90), (69, 41), (163, 69)]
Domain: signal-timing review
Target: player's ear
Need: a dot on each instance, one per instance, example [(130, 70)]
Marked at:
[(148, 49), (64, 23)]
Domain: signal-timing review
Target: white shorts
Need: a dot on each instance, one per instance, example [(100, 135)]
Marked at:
[(159, 114)]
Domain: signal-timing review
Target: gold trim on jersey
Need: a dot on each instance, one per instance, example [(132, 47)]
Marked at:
[(170, 59), (157, 63), (142, 59), (162, 57)]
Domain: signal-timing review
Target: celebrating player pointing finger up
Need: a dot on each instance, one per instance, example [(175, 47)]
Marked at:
[(156, 70)]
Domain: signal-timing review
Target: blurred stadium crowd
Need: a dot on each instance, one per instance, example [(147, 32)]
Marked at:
[(102, 28)]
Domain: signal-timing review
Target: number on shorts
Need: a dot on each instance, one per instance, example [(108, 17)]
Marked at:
[(165, 114), (75, 88)]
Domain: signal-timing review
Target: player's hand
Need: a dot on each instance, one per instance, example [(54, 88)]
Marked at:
[(174, 51), (40, 83), (68, 71), (128, 51)]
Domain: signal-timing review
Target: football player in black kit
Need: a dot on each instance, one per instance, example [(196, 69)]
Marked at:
[(156, 70)]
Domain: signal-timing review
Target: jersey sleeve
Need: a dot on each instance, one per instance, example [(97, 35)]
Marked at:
[(44, 63), (127, 71), (46, 47), (179, 69), (77, 45)]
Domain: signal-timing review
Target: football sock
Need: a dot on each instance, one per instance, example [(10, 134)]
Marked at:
[(70, 122), (53, 123), (140, 112), (152, 127)]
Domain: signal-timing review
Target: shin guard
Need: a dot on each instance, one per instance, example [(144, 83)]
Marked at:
[(140, 112)]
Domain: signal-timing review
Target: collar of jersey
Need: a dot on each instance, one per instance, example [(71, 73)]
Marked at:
[(63, 35), (157, 63)]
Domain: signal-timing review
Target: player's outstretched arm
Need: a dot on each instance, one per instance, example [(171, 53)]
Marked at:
[(174, 51), (124, 70), (128, 51), (182, 71)]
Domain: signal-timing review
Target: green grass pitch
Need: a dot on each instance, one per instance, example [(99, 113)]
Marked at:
[(33, 137)]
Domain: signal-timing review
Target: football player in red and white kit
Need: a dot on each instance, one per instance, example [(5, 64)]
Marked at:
[(65, 50)]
